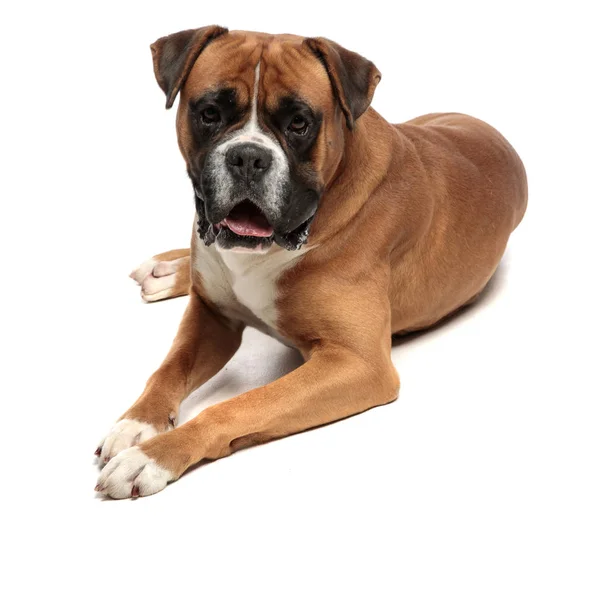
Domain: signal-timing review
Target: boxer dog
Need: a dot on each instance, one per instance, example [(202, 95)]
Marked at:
[(317, 222)]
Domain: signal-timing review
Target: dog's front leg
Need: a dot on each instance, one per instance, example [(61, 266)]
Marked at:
[(334, 383), (204, 343)]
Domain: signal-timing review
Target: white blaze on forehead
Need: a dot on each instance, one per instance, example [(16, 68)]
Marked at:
[(252, 132), (254, 106)]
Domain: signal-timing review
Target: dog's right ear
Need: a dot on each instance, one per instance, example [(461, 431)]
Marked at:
[(174, 56)]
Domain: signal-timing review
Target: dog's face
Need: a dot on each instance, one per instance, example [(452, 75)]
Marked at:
[(261, 124)]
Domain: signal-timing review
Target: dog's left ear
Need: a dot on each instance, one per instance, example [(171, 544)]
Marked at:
[(353, 77), (174, 56)]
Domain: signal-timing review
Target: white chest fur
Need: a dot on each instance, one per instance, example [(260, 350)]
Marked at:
[(244, 285)]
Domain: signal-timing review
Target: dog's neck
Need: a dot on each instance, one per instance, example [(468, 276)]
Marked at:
[(368, 152)]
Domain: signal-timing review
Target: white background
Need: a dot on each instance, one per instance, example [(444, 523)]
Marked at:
[(481, 481)]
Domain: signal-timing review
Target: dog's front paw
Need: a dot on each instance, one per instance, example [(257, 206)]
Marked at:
[(158, 278), (131, 474), (124, 434)]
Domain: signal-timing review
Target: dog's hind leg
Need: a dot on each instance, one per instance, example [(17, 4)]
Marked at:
[(165, 275)]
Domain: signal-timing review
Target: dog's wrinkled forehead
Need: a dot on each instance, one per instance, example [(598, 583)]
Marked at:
[(287, 69)]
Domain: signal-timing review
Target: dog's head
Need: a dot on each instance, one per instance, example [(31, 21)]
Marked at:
[(262, 123)]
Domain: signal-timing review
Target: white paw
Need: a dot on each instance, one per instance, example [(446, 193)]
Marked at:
[(157, 278), (124, 434), (130, 474), (141, 272)]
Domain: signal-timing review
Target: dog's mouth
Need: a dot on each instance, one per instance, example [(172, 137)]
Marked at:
[(247, 220), (247, 229)]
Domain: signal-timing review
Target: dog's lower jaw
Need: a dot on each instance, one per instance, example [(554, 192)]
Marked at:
[(205, 229), (294, 240)]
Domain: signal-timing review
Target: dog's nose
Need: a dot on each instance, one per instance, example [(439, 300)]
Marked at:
[(249, 161)]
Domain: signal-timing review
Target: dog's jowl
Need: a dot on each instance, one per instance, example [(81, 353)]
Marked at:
[(317, 222)]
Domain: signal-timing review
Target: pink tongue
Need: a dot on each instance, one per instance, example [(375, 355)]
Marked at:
[(245, 225)]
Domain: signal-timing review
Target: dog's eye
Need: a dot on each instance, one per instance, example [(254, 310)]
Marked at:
[(210, 115), (298, 125)]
